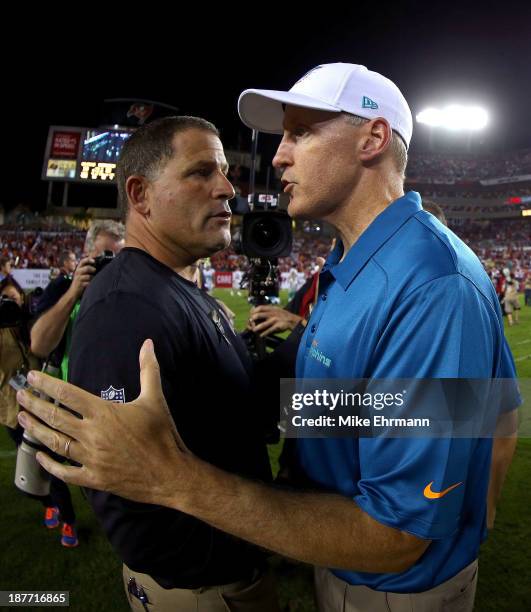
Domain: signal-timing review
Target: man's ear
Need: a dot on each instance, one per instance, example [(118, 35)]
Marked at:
[(137, 188), (377, 135)]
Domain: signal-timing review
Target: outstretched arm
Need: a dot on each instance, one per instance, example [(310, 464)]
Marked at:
[(135, 451)]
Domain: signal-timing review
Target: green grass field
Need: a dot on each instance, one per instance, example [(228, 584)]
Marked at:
[(32, 558)]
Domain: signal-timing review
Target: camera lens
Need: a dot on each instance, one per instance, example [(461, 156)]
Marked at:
[(265, 233)]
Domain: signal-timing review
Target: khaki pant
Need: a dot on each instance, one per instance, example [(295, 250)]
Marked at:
[(454, 595), (243, 596), (511, 304)]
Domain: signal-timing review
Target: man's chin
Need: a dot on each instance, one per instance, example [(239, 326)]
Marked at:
[(221, 243), (301, 210), (298, 211)]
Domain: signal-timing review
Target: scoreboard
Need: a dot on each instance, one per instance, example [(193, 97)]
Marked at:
[(83, 155)]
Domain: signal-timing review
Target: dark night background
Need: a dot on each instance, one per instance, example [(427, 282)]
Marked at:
[(200, 59)]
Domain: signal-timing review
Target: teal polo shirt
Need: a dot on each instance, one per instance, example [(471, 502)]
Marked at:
[(409, 300)]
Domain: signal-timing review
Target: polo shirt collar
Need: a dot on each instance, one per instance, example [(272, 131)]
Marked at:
[(379, 231)]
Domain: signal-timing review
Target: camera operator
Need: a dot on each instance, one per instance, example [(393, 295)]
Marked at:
[(15, 356), (57, 303), (52, 331), (58, 306)]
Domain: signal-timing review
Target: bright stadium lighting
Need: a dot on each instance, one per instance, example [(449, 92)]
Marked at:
[(455, 117), (431, 117)]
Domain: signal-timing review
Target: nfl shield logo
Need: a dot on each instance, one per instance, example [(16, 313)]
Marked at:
[(114, 395)]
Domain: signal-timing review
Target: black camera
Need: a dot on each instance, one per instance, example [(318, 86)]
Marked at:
[(99, 263), (102, 260), (11, 314), (266, 232), (265, 236)]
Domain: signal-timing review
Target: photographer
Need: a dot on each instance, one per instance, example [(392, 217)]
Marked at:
[(58, 306), (15, 356), (52, 331)]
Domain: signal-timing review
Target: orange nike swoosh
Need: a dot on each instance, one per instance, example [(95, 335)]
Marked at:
[(437, 495)]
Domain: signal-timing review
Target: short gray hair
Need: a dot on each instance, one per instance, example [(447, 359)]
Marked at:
[(105, 226), (398, 147)]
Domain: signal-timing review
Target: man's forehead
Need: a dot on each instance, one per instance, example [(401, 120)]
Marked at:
[(193, 145), (107, 236), (299, 114)]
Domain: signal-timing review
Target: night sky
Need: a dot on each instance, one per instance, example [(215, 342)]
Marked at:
[(200, 60)]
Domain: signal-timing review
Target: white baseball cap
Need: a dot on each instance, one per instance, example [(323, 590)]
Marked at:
[(348, 88)]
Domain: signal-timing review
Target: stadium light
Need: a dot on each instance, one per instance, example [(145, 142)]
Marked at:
[(455, 117)]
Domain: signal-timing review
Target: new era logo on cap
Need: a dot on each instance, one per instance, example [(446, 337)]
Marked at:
[(368, 103)]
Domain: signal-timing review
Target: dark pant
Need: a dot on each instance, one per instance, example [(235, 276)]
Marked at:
[(59, 492)]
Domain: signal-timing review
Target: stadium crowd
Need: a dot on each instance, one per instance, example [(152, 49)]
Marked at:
[(39, 249), (433, 167), (501, 193), (504, 243)]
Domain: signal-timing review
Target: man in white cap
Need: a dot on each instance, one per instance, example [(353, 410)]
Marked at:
[(399, 519)]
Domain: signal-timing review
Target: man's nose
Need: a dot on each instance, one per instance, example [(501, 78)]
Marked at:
[(283, 155), (224, 188)]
